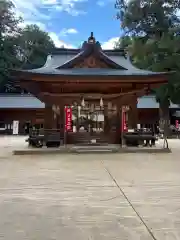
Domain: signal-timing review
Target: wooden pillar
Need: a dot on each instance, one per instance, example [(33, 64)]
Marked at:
[(77, 118), (106, 119), (118, 123), (54, 120), (164, 116), (118, 120), (48, 116), (62, 120), (133, 114)]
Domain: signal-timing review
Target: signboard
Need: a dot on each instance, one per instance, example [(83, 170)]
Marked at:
[(15, 127), (68, 119), (177, 124)]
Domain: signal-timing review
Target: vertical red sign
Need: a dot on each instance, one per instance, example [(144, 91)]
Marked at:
[(177, 124), (68, 119), (124, 126)]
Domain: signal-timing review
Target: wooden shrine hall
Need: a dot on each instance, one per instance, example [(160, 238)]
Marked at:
[(85, 91)]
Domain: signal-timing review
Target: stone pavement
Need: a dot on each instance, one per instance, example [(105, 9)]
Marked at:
[(85, 197)]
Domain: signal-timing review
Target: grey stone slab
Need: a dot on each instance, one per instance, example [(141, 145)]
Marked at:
[(75, 197), (43, 217), (152, 187), (39, 201)]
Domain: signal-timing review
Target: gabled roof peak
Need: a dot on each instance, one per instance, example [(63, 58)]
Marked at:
[(92, 39), (91, 43)]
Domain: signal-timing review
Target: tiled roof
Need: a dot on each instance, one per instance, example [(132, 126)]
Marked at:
[(8, 101), (61, 62)]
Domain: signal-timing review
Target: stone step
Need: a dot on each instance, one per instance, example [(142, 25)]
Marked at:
[(94, 149), (85, 138)]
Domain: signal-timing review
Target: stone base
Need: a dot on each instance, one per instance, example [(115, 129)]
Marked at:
[(90, 149)]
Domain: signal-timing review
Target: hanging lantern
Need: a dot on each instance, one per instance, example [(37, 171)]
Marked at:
[(54, 108), (58, 110), (101, 102), (83, 103)]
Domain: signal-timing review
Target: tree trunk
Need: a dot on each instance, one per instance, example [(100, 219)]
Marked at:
[(164, 117)]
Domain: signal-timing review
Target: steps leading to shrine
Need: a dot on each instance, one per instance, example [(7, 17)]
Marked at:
[(95, 148), (86, 138)]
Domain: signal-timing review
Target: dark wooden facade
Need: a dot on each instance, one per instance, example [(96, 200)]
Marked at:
[(145, 116)]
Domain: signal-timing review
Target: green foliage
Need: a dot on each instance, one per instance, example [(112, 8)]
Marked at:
[(123, 43), (20, 48), (34, 45), (8, 28), (148, 17), (154, 42), (8, 21)]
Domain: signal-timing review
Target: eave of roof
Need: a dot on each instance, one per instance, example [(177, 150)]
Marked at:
[(91, 72)]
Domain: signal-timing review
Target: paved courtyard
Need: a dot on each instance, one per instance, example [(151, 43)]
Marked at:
[(89, 197)]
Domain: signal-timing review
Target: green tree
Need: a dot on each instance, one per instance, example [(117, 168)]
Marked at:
[(8, 29), (154, 30), (34, 46), (20, 47), (123, 43), (148, 17)]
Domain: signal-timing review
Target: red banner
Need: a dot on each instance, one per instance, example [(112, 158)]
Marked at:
[(68, 119), (177, 124), (124, 125)]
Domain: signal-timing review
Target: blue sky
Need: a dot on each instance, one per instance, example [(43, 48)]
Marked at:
[(69, 22)]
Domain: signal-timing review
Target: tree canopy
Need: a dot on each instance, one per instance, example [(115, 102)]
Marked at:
[(20, 47), (8, 28), (34, 45), (152, 35)]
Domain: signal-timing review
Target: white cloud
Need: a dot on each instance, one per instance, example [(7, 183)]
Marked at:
[(67, 31), (110, 43), (100, 3), (41, 12), (31, 10), (69, 6), (59, 43), (103, 3)]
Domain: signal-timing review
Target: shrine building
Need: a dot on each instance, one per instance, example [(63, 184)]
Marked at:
[(91, 84)]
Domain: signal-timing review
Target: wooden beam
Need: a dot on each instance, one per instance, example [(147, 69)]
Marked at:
[(95, 85), (127, 98), (92, 95)]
